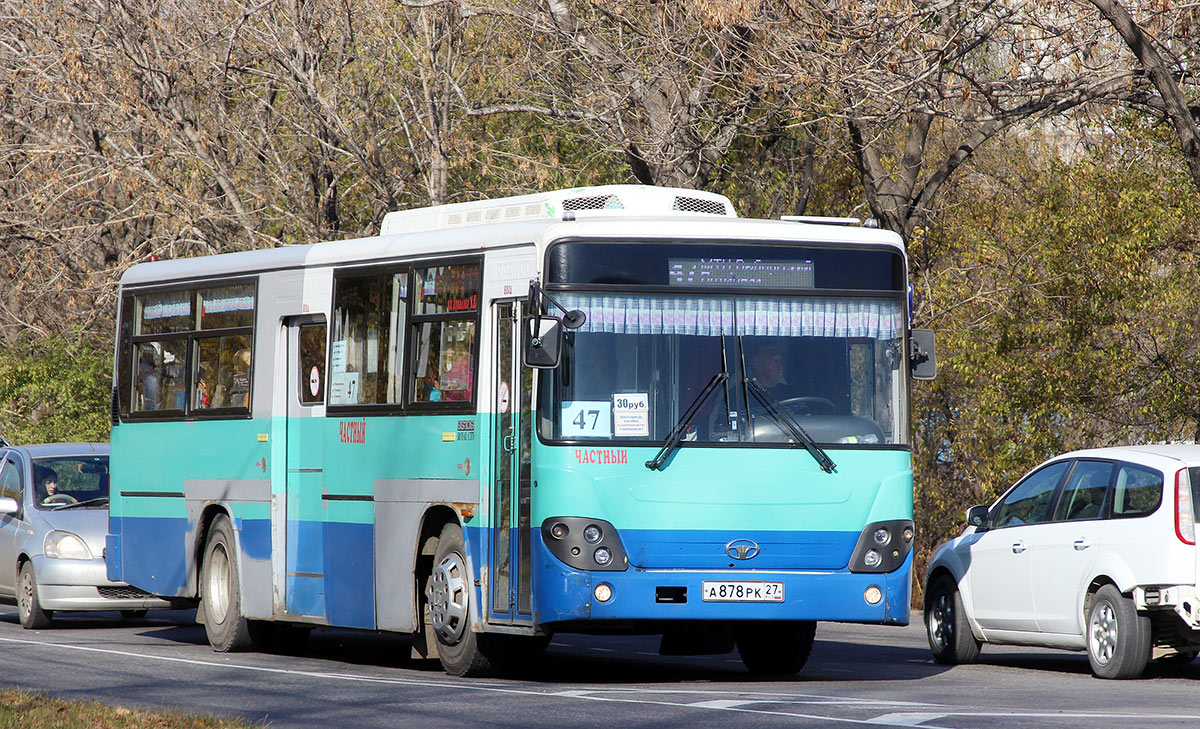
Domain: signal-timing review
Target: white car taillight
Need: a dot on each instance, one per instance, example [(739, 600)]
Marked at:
[(1185, 523)]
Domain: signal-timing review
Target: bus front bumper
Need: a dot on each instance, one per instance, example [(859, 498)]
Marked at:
[(568, 595)]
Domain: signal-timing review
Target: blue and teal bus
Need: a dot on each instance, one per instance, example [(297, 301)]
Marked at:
[(612, 409)]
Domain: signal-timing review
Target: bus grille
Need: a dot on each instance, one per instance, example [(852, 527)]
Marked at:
[(122, 593), (596, 202), (698, 205)]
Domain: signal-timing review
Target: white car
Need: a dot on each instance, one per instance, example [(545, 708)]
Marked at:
[(1093, 550)]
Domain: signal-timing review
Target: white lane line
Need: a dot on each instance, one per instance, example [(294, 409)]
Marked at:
[(905, 719), (719, 703)]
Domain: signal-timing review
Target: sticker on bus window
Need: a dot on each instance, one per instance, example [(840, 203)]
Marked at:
[(337, 362), (631, 414), (345, 389), (587, 419)]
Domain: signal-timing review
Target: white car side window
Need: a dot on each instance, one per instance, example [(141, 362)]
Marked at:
[(1029, 502), (1137, 491), (1083, 497)]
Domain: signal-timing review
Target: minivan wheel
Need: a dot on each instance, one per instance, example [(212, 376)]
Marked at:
[(950, 637), (1118, 637), (29, 609)]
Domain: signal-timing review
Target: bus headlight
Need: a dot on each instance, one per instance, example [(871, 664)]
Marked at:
[(65, 545), (584, 543), (882, 546)]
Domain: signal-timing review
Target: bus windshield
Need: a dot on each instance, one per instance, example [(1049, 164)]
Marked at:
[(639, 362)]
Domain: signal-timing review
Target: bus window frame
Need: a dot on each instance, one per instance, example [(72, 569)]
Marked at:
[(406, 405), (544, 387), (130, 343)]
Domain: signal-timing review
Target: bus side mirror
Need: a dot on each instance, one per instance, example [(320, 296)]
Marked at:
[(542, 343), (922, 358)]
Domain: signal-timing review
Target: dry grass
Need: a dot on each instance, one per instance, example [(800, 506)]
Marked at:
[(25, 710)]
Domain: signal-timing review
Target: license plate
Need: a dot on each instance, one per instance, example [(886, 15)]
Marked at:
[(711, 591)]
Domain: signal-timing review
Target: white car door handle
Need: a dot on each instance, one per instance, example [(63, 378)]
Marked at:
[(1018, 547), (1082, 544)]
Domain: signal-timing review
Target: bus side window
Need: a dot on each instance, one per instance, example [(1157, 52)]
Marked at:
[(311, 362), (222, 372)]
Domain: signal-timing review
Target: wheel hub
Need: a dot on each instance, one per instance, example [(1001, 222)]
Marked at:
[(26, 598), (1102, 638), (941, 624), (447, 595), (217, 586)]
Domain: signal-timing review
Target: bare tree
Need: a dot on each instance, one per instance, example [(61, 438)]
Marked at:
[(1167, 68), (921, 86), (669, 86)]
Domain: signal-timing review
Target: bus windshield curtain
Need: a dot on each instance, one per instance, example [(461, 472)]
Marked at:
[(717, 316)]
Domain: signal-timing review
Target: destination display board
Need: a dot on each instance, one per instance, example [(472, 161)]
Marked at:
[(741, 273)]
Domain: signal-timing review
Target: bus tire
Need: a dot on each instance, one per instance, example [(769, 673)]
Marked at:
[(448, 594), (950, 638), (227, 628), (775, 649)]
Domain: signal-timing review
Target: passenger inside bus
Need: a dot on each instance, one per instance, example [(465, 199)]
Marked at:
[(149, 364)]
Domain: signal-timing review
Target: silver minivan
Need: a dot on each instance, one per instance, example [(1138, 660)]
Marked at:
[(53, 520)]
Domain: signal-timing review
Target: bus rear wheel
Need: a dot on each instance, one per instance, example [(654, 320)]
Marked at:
[(220, 591), (462, 651), (775, 649)]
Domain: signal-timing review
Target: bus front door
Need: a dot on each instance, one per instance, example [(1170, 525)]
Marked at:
[(304, 580), (511, 584)]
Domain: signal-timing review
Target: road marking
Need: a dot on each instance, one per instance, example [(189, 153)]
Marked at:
[(719, 703), (748, 702), (905, 719)]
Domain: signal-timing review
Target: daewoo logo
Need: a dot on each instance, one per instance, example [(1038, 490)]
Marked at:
[(742, 549)]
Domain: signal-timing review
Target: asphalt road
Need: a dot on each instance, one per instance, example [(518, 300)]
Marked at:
[(857, 675)]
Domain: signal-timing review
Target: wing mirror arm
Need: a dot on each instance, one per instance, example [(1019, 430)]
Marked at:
[(543, 336)]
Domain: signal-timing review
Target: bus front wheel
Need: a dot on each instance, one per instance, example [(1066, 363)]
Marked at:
[(226, 627), (775, 649), (462, 651)]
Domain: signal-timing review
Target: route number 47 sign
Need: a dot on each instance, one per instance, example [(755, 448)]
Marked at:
[(627, 415)]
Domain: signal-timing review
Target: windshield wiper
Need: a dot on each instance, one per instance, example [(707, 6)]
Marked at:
[(787, 423), (89, 502), (677, 433)]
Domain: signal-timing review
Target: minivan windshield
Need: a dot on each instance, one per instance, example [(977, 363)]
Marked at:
[(70, 481), (639, 361)]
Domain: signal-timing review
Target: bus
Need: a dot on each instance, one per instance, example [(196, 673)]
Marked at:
[(619, 409)]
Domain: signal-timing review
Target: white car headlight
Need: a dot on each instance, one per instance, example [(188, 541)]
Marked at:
[(65, 545)]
